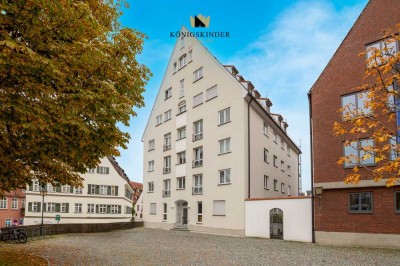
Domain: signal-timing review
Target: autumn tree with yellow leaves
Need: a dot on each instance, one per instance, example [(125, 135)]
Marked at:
[(371, 126), (68, 75)]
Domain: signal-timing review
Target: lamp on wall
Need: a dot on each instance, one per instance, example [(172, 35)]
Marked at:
[(318, 191)]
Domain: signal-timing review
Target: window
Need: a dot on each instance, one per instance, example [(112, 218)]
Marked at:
[(224, 146), (224, 176), (78, 190), (64, 207), (181, 157), (181, 133), (265, 129), (197, 100), (182, 61), (36, 206), (112, 190), (167, 188), (114, 209), (198, 130), (103, 170), (35, 185), (181, 183), (165, 209), (397, 201), (275, 185), (23, 203), (288, 170), (181, 107), (393, 148), (266, 155), (51, 188), (288, 190), (224, 116), (103, 190), (167, 115), (275, 137), (153, 208), (200, 212), (151, 166), (190, 55), (198, 157), (66, 189), (151, 145), (282, 166), (182, 88), (211, 93), (282, 144), (50, 207), (198, 184), (353, 105), (360, 202), (387, 47), (288, 150), (266, 179), (90, 208), (283, 188), (78, 207), (275, 161), (359, 152), (102, 208), (168, 93), (14, 203), (167, 142), (219, 207), (91, 170), (167, 165), (150, 186), (198, 74), (158, 120)]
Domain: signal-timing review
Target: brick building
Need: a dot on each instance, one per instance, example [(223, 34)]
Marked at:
[(12, 208), (366, 213)]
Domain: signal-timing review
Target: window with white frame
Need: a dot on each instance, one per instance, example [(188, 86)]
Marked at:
[(266, 155), (151, 166), (167, 141), (168, 93), (35, 206), (35, 185), (78, 207), (288, 190), (103, 190), (359, 152), (102, 208), (198, 156), (224, 176), (354, 105), (182, 88), (113, 190), (275, 161), (198, 74), (197, 100), (50, 207), (288, 170), (158, 120), (181, 183), (64, 207), (266, 179), (167, 115), (275, 137), (181, 157), (51, 188), (153, 208), (199, 212), (90, 208), (103, 170), (78, 190), (182, 61), (150, 186), (224, 145), (165, 212), (14, 203), (92, 189), (151, 145), (167, 164), (198, 184), (198, 130), (219, 207), (91, 170), (211, 93), (275, 185), (393, 148), (224, 116), (283, 166), (181, 133), (265, 129), (190, 56), (66, 188), (181, 107), (283, 188), (114, 209)]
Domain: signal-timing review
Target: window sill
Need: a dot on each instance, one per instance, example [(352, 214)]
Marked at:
[(361, 212), (275, 142), (180, 163), (180, 189), (150, 171), (181, 139), (266, 188), (167, 98), (182, 67), (224, 153), (197, 105), (150, 150), (197, 79), (150, 191), (212, 98), (266, 162), (224, 123), (158, 124), (224, 184), (181, 112), (266, 135), (199, 223), (167, 120), (223, 215)]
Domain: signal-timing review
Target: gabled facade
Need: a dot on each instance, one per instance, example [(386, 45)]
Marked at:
[(12, 208), (210, 143), (106, 197), (366, 213)]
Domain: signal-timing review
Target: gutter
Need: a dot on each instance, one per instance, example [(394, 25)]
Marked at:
[(248, 144), (312, 168)]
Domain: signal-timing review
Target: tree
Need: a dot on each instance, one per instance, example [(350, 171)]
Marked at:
[(68, 75), (371, 127)]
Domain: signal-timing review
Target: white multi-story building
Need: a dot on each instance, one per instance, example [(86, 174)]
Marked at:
[(210, 143), (106, 197)]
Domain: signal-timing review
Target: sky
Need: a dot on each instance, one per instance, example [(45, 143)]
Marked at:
[(280, 46)]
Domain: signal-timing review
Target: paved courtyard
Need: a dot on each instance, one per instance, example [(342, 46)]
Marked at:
[(143, 246)]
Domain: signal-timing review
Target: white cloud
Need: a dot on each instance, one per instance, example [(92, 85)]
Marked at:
[(284, 62)]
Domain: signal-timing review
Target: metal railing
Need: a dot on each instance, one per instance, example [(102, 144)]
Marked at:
[(167, 170), (197, 163), (167, 147), (197, 191), (197, 136), (166, 193)]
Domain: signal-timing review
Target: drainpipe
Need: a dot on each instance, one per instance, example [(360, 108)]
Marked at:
[(312, 168), (248, 141)]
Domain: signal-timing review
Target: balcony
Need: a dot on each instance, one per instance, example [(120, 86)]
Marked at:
[(166, 170), (197, 136), (166, 193), (167, 147), (197, 191), (197, 163)]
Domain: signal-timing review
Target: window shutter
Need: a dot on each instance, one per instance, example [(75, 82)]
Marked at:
[(97, 189), (198, 99), (67, 207), (58, 207), (107, 170), (97, 208), (119, 208), (98, 170), (211, 93), (89, 189), (39, 206), (116, 190), (219, 207), (44, 207), (108, 208), (108, 190), (29, 206), (71, 189), (30, 188), (58, 188)]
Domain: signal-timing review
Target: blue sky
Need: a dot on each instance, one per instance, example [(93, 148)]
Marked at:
[(281, 46)]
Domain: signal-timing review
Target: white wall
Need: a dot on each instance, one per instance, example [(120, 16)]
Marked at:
[(297, 220)]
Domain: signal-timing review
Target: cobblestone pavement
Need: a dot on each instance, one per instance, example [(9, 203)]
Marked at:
[(144, 246)]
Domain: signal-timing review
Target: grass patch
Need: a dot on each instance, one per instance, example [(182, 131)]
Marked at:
[(17, 259)]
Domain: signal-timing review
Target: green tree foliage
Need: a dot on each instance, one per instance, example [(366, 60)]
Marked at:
[(68, 75)]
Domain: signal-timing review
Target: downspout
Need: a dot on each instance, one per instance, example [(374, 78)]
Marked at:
[(248, 142), (312, 168)]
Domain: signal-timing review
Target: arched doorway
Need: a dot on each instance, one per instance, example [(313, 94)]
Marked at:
[(276, 223), (181, 213)]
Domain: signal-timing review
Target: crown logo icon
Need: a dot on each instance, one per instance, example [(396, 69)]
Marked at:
[(199, 21)]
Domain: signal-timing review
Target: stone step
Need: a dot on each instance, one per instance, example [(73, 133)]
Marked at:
[(180, 228)]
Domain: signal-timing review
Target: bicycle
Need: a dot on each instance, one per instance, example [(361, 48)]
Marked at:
[(14, 234)]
